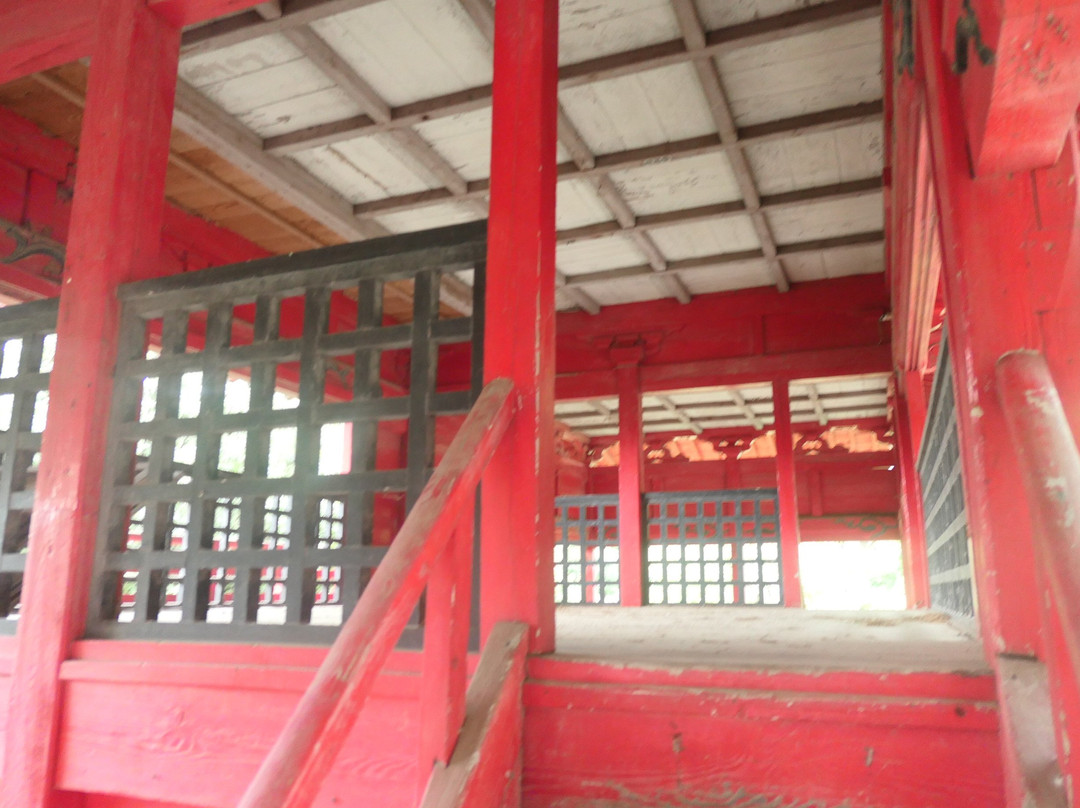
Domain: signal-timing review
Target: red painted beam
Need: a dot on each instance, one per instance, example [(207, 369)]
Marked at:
[(42, 34), (115, 238), (517, 565), (294, 770), (182, 13), (732, 371)]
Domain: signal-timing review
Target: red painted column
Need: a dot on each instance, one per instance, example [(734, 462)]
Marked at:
[(913, 529), (787, 494), (115, 237), (989, 230), (631, 486), (915, 403), (516, 569)]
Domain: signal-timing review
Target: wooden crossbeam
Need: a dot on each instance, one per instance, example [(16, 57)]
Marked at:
[(680, 416), (815, 400), (720, 259), (709, 78), (819, 17), (800, 125)]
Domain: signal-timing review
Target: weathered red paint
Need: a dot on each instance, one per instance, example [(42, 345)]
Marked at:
[(786, 493), (1018, 106), (824, 328), (631, 486), (1051, 471), (985, 225), (485, 771), (519, 341), (297, 764), (446, 645), (115, 237), (191, 12)]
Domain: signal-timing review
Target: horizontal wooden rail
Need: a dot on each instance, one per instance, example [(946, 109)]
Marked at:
[(1050, 464), (294, 769)]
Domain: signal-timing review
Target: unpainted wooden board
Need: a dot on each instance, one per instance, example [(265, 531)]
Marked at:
[(411, 49), (641, 109)]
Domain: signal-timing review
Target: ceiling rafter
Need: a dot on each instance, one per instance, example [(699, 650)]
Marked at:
[(815, 400), (813, 123), (813, 18), (576, 296), (425, 160), (74, 96), (671, 407), (727, 210), (740, 402), (270, 10), (800, 248), (711, 83), (201, 119)]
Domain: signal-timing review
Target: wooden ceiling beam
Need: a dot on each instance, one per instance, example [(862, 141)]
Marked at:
[(252, 24), (709, 78), (720, 259), (416, 152), (575, 296), (726, 210), (681, 416), (198, 117), (815, 401), (814, 123), (73, 96), (270, 10), (745, 409), (819, 17)]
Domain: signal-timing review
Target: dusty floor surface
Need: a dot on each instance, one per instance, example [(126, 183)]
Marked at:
[(774, 639)]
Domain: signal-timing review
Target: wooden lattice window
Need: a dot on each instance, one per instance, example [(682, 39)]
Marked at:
[(27, 348), (242, 472)]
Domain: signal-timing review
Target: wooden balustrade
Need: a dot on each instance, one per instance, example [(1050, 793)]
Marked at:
[(432, 545), (1050, 464)]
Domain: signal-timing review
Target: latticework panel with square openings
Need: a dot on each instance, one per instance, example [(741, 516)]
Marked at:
[(713, 548), (244, 470), (948, 545), (27, 348), (587, 550)]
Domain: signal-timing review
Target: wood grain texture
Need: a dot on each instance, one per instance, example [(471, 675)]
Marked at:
[(596, 747)]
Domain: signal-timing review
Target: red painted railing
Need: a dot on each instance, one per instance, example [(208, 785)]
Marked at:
[(1050, 464), (433, 547)]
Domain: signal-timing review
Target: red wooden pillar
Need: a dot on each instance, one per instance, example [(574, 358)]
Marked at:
[(517, 542), (915, 403), (913, 529), (988, 228), (787, 493), (114, 238), (631, 485)]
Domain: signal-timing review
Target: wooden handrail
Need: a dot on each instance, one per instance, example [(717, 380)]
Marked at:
[(1050, 464), (294, 769)]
